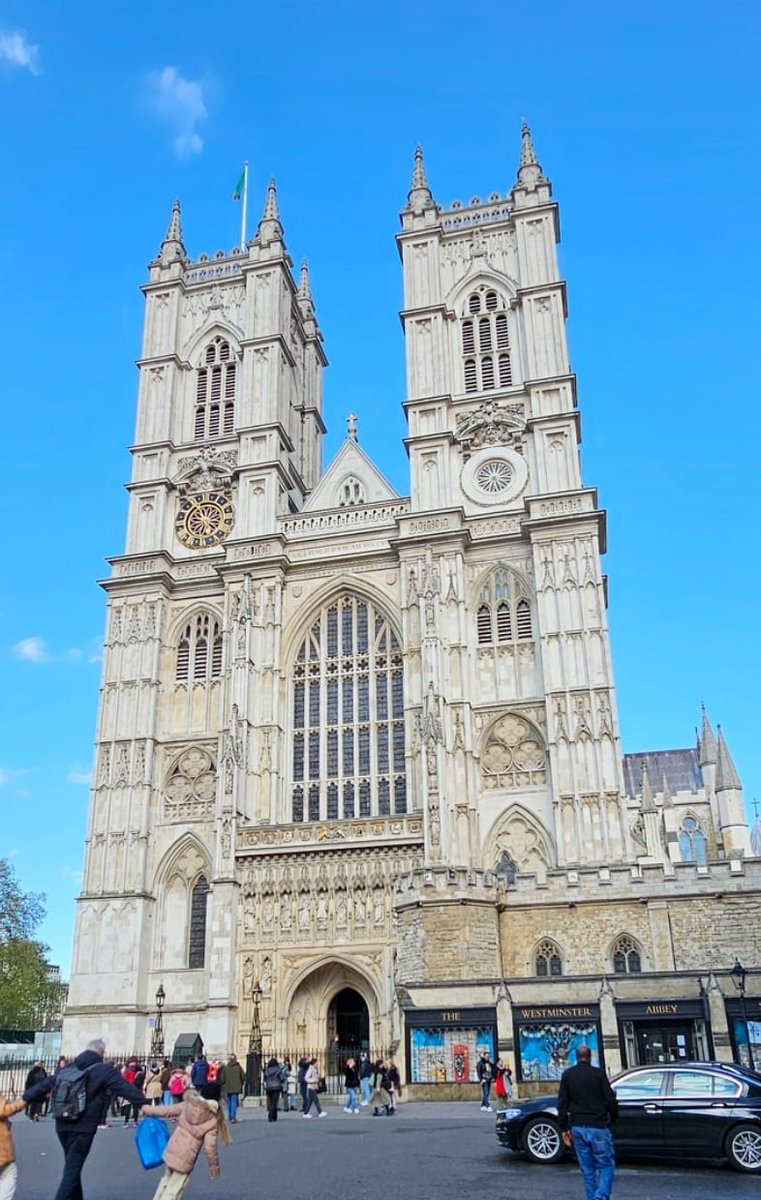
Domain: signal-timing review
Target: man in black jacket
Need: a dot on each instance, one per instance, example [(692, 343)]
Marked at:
[(76, 1137), (587, 1106)]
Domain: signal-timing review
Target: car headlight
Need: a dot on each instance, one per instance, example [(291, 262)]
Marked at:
[(510, 1114)]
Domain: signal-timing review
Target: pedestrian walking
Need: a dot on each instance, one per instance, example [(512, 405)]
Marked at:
[(231, 1079), (166, 1075), (366, 1072), (351, 1083), (153, 1088), (485, 1073), (587, 1107), (201, 1121), (312, 1081), (302, 1081), (199, 1072), (36, 1075), (8, 1108), (393, 1082), (135, 1075), (381, 1097), (76, 1134), (285, 1074), (503, 1080), (293, 1088), (273, 1087), (178, 1084)]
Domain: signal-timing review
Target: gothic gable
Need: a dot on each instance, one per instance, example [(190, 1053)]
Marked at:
[(352, 478)]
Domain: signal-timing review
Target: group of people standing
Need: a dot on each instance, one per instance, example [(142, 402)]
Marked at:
[(378, 1083), (497, 1073)]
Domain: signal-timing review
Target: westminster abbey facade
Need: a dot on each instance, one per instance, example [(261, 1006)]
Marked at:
[(359, 753)]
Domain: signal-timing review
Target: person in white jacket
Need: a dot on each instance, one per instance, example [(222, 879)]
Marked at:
[(312, 1080)]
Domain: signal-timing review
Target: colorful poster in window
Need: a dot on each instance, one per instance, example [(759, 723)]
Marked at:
[(742, 1029), (448, 1055), (548, 1047)]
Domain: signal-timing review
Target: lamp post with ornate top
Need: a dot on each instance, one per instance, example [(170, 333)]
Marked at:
[(157, 1038), (254, 1056)]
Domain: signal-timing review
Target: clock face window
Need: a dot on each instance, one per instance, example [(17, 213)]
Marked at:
[(204, 520)]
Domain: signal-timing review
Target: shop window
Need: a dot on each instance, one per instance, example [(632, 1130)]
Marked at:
[(692, 841), (546, 1046), (627, 958), (448, 1054), (547, 961)]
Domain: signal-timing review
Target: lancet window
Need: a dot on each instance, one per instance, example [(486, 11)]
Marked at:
[(347, 707), (197, 925), (199, 651), (504, 611), (485, 342), (627, 957), (548, 960), (692, 841), (215, 392)]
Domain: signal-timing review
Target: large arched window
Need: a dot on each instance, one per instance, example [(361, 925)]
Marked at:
[(199, 651), (692, 841), (504, 610), (485, 342), (197, 925), (627, 957), (348, 716), (215, 392), (547, 959)]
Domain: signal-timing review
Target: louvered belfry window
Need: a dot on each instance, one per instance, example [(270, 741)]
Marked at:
[(197, 926), (215, 392), (199, 651), (486, 342), (347, 711), (503, 613)]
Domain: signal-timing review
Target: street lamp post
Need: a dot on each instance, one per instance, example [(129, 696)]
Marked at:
[(254, 1056), (739, 976), (157, 1039)]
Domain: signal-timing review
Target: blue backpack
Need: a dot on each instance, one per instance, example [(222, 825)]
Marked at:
[(151, 1137)]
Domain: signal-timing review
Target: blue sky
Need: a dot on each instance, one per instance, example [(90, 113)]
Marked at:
[(646, 119)]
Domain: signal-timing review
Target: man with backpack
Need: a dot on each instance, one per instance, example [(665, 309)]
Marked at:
[(78, 1093)]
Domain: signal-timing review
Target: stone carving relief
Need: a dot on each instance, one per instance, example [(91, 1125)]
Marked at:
[(514, 755), (491, 424), (190, 786), (209, 470), (523, 842)]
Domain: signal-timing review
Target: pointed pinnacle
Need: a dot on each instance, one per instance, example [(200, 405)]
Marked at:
[(420, 193), (271, 210), (667, 801), (174, 232), (305, 286), (726, 771), (528, 153), (648, 800), (706, 741), (173, 247)]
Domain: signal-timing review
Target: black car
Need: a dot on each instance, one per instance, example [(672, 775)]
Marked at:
[(690, 1110)]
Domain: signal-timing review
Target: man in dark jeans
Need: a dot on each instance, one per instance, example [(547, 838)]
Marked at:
[(76, 1137), (587, 1106)]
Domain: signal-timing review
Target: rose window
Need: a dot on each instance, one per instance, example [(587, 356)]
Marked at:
[(495, 475)]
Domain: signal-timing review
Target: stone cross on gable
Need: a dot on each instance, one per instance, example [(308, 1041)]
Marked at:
[(351, 426)]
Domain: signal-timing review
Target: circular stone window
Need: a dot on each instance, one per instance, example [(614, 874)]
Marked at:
[(494, 476)]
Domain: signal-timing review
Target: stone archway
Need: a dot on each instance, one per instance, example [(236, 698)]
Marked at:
[(333, 1000)]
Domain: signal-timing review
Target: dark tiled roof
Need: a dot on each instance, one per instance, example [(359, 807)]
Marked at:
[(680, 767)]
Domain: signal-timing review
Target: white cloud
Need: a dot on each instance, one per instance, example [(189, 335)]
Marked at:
[(10, 775), (16, 50), (31, 649), (77, 774), (181, 104)]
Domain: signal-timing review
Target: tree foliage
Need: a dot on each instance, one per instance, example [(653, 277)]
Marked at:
[(26, 991)]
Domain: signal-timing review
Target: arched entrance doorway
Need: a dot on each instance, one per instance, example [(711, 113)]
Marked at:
[(349, 1021)]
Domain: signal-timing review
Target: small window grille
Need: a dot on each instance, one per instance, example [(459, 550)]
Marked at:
[(503, 342), (480, 370), (503, 614), (216, 657), (483, 621), (474, 303), (468, 338), (487, 374), (193, 657), (505, 371), (484, 334), (523, 613), (491, 301), (197, 939), (471, 383), (215, 392), (183, 658)]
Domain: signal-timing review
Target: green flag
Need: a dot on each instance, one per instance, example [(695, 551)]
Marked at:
[(240, 185)]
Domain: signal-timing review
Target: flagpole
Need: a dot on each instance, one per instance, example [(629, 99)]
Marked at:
[(244, 208)]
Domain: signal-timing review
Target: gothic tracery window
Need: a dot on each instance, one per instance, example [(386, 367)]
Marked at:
[(485, 342), (215, 392), (351, 492), (347, 705), (692, 841), (199, 651), (504, 611), (514, 755), (627, 958), (547, 959), (197, 926)]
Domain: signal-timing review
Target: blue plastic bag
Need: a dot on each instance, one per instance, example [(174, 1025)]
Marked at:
[(151, 1137)]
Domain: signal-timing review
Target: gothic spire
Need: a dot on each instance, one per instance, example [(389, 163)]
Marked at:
[(755, 833), (530, 175), (419, 195), (305, 286), (706, 741), (270, 227), (726, 771), (173, 247)]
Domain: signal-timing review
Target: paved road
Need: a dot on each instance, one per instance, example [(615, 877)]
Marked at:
[(425, 1152)]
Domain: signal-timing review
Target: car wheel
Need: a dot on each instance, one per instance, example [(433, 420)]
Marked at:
[(542, 1140), (743, 1148)]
